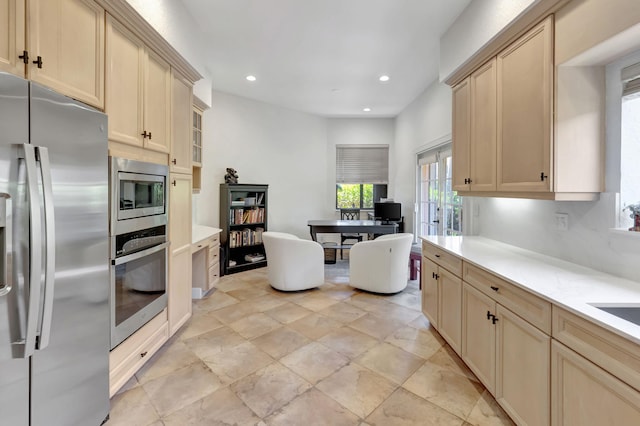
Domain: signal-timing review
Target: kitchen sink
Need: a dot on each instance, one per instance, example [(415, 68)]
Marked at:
[(629, 313)]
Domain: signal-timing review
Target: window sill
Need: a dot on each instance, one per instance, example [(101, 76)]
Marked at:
[(625, 232)]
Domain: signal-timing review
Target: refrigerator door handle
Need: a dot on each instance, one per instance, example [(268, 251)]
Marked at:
[(6, 282), (35, 250), (50, 248)]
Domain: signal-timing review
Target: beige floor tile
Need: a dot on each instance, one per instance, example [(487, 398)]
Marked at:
[(447, 358), (357, 388), (419, 342), (367, 301), (316, 302), (247, 293), (348, 341), (254, 325), (232, 282), (288, 312), (315, 325), (235, 312), (211, 344), (264, 303), (487, 412), (313, 408), (176, 390), (343, 312), (199, 324), (395, 312), (405, 408), (132, 407), (408, 300), (314, 361), (216, 300), (375, 326), (168, 359), (447, 389), (338, 291), (391, 362), (270, 388), (280, 342), (421, 323), (222, 407), (237, 362)]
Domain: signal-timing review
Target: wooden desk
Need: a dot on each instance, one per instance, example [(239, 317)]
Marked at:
[(350, 226)]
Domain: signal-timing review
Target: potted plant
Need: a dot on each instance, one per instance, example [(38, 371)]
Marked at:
[(635, 215)]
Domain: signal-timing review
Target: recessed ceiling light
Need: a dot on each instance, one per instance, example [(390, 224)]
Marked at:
[(384, 78), (367, 109), (251, 78)]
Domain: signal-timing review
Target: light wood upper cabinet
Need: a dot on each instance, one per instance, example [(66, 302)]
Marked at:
[(138, 91), (181, 130), (12, 42), (525, 96), (461, 143), (66, 38), (180, 267)]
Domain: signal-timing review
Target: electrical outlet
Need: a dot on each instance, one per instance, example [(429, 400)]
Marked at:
[(562, 221)]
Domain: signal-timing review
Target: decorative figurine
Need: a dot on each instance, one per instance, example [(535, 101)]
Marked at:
[(635, 215), (231, 176)]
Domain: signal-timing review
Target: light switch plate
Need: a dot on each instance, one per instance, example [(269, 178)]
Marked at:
[(562, 221)]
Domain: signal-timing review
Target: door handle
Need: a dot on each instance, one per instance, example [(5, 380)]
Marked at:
[(50, 248), (35, 253), (6, 228), (140, 254)]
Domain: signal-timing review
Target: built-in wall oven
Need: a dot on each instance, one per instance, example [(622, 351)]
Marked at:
[(139, 246)]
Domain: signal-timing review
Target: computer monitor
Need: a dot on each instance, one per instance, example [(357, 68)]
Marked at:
[(387, 212)]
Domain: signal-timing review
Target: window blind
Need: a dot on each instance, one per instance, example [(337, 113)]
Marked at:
[(631, 80), (362, 164)]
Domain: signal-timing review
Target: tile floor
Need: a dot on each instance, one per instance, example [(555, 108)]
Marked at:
[(251, 355)]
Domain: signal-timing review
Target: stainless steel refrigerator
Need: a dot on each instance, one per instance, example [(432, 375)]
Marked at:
[(54, 276)]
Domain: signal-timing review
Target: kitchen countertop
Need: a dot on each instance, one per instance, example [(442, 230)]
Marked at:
[(201, 232), (562, 283)]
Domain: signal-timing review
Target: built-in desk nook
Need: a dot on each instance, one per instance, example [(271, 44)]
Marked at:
[(205, 252)]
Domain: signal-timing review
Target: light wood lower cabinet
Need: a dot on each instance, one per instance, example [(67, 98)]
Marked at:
[(429, 294), (586, 395), (127, 358), (179, 291), (479, 335)]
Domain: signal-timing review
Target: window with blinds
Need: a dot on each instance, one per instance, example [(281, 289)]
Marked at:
[(362, 174)]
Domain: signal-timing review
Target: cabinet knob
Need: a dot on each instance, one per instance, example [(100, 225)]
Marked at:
[(542, 176), (149, 135), (494, 288), (145, 134), (38, 62), (174, 161), (489, 315), (494, 319), (143, 354), (174, 183), (24, 57), (437, 255)]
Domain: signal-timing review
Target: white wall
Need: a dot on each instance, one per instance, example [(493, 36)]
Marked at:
[(266, 144), (424, 124), (478, 24)]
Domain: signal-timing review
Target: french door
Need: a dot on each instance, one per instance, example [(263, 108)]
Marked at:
[(440, 208)]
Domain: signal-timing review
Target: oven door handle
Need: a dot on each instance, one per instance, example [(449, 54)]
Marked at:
[(140, 254)]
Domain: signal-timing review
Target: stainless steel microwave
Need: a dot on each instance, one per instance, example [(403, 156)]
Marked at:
[(138, 195)]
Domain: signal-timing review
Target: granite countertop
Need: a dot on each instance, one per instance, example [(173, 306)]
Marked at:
[(201, 232), (563, 283)]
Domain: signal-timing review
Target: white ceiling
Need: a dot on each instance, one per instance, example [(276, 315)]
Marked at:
[(325, 56)]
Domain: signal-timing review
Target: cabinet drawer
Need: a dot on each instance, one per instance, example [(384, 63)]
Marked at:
[(445, 259), (214, 274), (611, 352), (528, 306), (127, 358), (215, 240), (214, 255)]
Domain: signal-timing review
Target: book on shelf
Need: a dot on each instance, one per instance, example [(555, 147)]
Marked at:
[(245, 216), (259, 198), (245, 237), (237, 202), (256, 257)]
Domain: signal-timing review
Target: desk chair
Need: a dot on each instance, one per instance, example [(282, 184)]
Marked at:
[(349, 214)]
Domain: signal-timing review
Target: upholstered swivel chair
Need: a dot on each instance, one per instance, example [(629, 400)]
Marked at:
[(292, 263), (380, 265), (349, 214)]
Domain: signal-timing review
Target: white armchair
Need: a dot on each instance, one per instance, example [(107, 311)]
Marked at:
[(381, 265), (292, 263)]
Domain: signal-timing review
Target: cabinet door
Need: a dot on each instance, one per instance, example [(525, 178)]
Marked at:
[(525, 85), (157, 102), (584, 394), (429, 290), (461, 144), (124, 58), (450, 308), (179, 306), (180, 159), (68, 36), (523, 369), (479, 335), (483, 128), (12, 42)]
